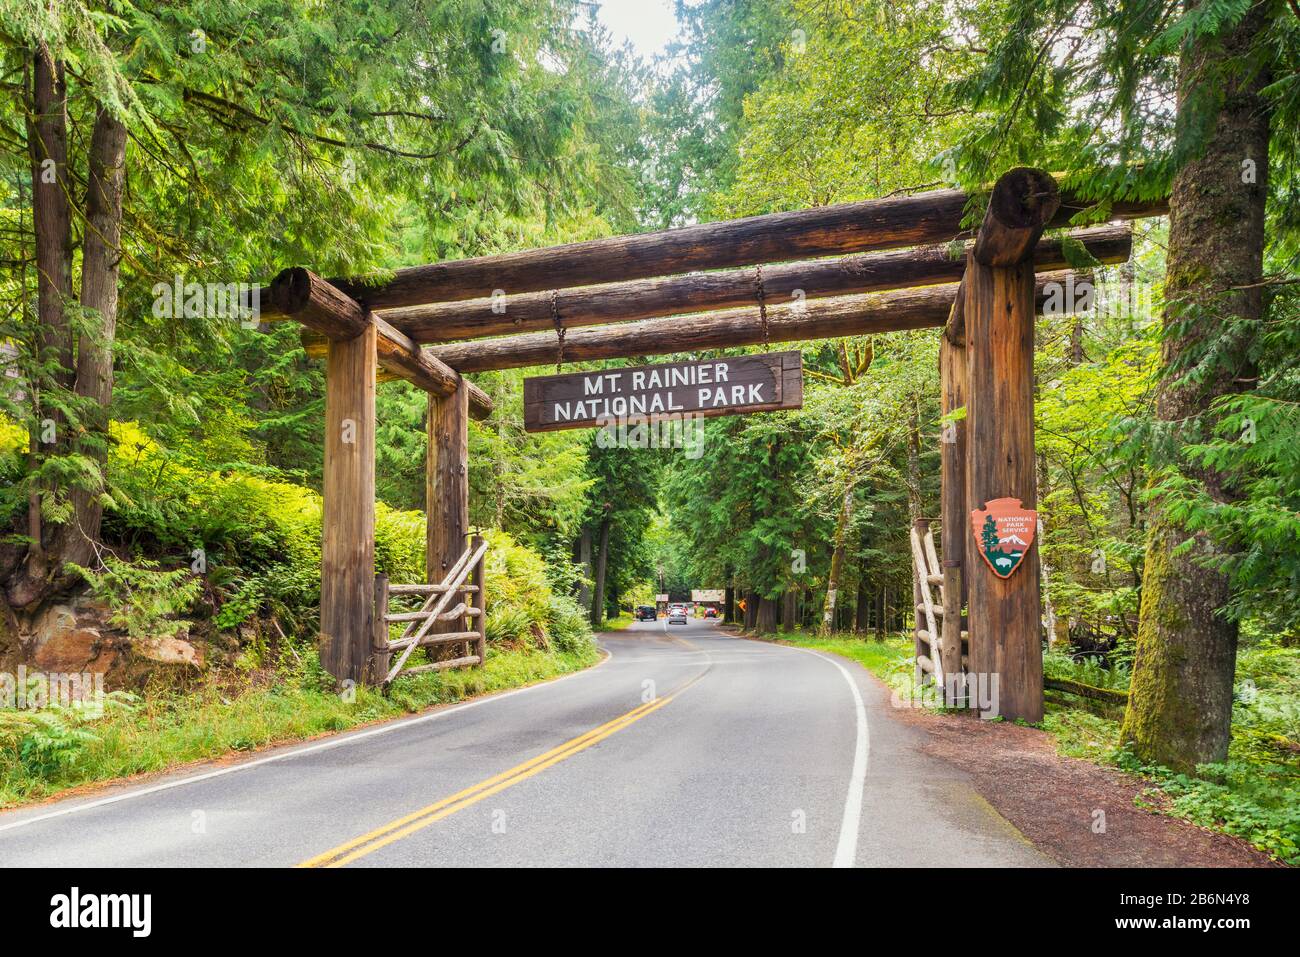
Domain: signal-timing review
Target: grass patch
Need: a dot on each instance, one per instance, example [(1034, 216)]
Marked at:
[(890, 660), (45, 752), (624, 620), (884, 659)]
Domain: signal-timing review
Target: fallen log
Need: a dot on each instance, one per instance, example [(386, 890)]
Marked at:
[(1110, 695)]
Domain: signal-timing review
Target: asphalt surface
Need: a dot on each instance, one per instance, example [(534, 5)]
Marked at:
[(687, 747)]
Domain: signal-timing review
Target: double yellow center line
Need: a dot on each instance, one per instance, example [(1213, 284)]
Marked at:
[(404, 826)]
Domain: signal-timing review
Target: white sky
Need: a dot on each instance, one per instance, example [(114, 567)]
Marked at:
[(648, 24)]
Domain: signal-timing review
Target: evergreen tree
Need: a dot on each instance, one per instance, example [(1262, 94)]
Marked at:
[(1081, 88)]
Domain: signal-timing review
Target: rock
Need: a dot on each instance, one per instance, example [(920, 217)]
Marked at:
[(76, 638), (70, 638), (168, 651)]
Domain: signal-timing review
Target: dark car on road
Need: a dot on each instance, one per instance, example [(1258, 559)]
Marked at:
[(644, 613)]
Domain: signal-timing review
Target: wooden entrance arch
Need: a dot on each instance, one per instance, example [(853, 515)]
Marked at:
[(821, 273)]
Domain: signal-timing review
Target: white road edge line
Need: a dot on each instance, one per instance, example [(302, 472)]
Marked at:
[(846, 851), (333, 742)]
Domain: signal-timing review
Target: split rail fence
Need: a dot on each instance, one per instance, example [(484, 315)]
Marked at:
[(465, 584)]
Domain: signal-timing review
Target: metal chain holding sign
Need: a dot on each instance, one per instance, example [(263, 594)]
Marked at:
[(559, 333), (762, 305)]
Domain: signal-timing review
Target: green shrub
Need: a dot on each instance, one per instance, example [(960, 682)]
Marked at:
[(144, 601), (510, 624), (261, 542), (570, 629), (1086, 669), (523, 608)]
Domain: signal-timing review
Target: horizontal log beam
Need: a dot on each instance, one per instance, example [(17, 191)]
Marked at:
[(876, 224), (928, 307), (700, 292), (398, 365), (399, 355), (301, 295)]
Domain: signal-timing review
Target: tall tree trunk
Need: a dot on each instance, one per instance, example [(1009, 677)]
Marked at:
[(862, 611), (766, 620), (1180, 705), (751, 610), (729, 600), (837, 559), (913, 466), (47, 137), (1044, 575), (1077, 355), (602, 559), (880, 613), (584, 559), (789, 610), (100, 259)]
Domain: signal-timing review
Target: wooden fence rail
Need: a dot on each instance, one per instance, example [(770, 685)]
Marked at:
[(934, 660)]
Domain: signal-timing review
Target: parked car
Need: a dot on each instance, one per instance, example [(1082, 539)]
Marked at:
[(677, 614), (645, 613)]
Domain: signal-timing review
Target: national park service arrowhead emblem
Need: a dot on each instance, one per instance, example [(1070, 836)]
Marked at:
[(1004, 531)]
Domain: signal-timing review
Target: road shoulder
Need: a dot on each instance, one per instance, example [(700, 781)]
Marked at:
[(1077, 813), (108, 790)]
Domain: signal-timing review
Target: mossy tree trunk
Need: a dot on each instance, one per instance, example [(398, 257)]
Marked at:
[(584, 559), (1180, 708), (47, 138), (602, 562), (837, 560), (100, 264)]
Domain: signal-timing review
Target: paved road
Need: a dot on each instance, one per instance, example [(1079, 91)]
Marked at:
[(686, 747)]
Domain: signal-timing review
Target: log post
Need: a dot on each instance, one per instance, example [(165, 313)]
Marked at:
[(953, 515), (347, 593), (447, 482), (999, 327), (478, 600), (919, 647), (379, 653)]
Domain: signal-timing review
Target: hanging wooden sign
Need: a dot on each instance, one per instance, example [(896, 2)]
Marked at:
[(700, 387), (1003, 533)]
